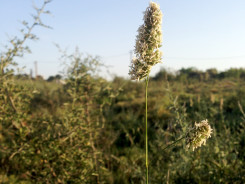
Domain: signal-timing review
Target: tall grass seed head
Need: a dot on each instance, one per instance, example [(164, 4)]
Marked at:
[(198, 135), (148, 42)]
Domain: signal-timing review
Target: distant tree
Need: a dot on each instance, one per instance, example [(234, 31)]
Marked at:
[(52, 78), (212, 73), (232, 73), (242, 76), (190, 74), (163, 74)]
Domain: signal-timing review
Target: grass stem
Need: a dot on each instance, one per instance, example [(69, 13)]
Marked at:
[(146, 131)]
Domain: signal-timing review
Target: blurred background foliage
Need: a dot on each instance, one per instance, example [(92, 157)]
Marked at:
[(85, 129), (80, 128)]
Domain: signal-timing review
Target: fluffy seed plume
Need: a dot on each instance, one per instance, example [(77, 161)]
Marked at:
[(198, 135), (148, 42)]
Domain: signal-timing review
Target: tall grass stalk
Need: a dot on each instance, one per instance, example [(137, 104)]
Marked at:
[(148, 42), (146, 130)]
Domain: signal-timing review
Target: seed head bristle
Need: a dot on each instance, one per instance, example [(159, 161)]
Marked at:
[(198, 135), (148, 42)]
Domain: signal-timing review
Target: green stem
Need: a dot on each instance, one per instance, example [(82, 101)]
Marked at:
[(146, 130), (174, 143)]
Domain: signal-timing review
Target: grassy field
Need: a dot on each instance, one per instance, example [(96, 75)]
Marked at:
[(90, 130)]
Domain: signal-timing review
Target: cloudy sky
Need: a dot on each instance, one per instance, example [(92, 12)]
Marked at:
[(196, 33)]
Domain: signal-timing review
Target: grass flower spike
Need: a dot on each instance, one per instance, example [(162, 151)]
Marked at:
[(198, 134), (148, 42)]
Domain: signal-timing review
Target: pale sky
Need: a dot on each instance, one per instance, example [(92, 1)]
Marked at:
[(196, 33)]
